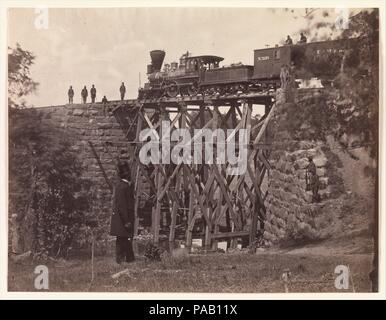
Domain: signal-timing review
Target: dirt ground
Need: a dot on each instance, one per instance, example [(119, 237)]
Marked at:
[(311, 267)]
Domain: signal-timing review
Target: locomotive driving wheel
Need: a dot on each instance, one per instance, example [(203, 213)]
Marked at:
[(172, 90)]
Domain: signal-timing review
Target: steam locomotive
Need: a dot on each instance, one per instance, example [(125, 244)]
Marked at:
[(203, 75)]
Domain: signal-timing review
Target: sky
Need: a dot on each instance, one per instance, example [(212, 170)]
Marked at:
[(107, 46)]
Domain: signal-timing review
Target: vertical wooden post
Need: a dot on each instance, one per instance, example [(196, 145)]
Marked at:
[(190, 218), (202, 124), (173, 222), (184, 183), (252, 230), (233, 118), (174, 210), (209, 170), (254, 213), (266, 132), (207, 232), (216, 225), (183, 125), (137, 185), (159, 180)]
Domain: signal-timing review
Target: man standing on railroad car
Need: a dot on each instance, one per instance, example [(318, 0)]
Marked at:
[(288, 41), (122, 90), (303, 38), (122, 220)]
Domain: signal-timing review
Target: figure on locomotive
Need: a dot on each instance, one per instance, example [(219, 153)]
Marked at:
[(203, 74)]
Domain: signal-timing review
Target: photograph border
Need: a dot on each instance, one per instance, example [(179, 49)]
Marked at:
[(5, 294)]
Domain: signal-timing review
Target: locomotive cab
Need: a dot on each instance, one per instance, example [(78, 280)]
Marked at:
[(195, 64)]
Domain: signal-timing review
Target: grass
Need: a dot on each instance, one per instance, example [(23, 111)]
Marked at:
[(217, 272)]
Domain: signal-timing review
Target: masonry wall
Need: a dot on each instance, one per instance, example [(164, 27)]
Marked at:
[(88, 123), (291, 215)]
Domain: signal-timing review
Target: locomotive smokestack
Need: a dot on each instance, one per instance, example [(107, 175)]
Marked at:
[(157, 58)]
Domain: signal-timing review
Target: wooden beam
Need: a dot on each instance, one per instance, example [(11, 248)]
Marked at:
[(151, 126), (197, 196), (235, 234), (131, 125), (137, 186), (265, 124), (190, 220), (159, 179), (169, 181), (226, 196), (174, 214), (108, 183)]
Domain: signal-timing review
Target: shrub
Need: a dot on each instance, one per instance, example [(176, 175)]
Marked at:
[(152, 252), (48, 193)]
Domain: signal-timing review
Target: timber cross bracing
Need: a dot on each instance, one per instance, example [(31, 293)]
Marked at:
[(228, 206)]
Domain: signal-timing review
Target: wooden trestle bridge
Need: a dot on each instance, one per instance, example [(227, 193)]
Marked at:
[(225, 206)]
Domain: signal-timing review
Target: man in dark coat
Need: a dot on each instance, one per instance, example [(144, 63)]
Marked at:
[(288, 41), (122, 220), (104, 101), (70, 95), (84, 94), (122, 90), (313, 180), (303, 38), (93, 94)]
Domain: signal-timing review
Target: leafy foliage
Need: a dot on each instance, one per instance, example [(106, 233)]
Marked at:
[(20, 82), (51, 198), (351, 106), (357, 103), (152, 252)]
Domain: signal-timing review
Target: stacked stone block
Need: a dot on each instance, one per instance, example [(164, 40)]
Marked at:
[(291, 214), (86, 123)]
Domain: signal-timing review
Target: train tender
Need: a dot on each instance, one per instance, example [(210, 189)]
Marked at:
[(203, 74)]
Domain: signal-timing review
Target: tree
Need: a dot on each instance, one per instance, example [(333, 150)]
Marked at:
[(49, 195), (48, 202), (20, 82), (353, 101)]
